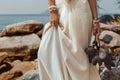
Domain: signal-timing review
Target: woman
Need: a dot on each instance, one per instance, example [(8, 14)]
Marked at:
[(61, 54)]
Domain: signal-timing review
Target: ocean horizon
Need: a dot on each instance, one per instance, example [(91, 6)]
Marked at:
[(8, 19)]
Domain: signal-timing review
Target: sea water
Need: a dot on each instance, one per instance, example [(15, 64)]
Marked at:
[(16, 18), (11, 19)]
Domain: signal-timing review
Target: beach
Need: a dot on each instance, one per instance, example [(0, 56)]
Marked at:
[(20, 38)]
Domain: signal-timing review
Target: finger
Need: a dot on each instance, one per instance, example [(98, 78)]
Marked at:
[(99, 32), (56, 24), (95, 32), (50, 23)]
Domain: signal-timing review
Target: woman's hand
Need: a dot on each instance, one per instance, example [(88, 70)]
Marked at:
[(54, 18), (97, 29)]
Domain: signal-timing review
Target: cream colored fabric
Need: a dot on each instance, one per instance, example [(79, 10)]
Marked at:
[(61, 54)]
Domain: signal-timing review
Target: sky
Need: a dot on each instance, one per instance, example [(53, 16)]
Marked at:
[(22, 6), (39, 6), (109, 6)]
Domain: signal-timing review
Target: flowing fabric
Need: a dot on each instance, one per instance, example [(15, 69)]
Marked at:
[(61, 54)]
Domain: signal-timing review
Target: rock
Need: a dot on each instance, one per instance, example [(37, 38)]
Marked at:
[(117, 60), (102, 67), (15, 62), (17, 71), (4, 67), (11, 75), (106, 26), (35, 63), (3, 55), (117, 50), (22, 28), (30, 75), (111, 27), (26, 46), (106, 19), (107, 39), (114, 74), (116, 29), (23, 67), (39, 33), (116, 38)]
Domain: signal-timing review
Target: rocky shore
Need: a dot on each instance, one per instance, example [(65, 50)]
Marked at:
[(111, 36), (20, 42)]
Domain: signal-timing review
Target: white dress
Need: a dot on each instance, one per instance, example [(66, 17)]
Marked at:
[(61, 54)]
